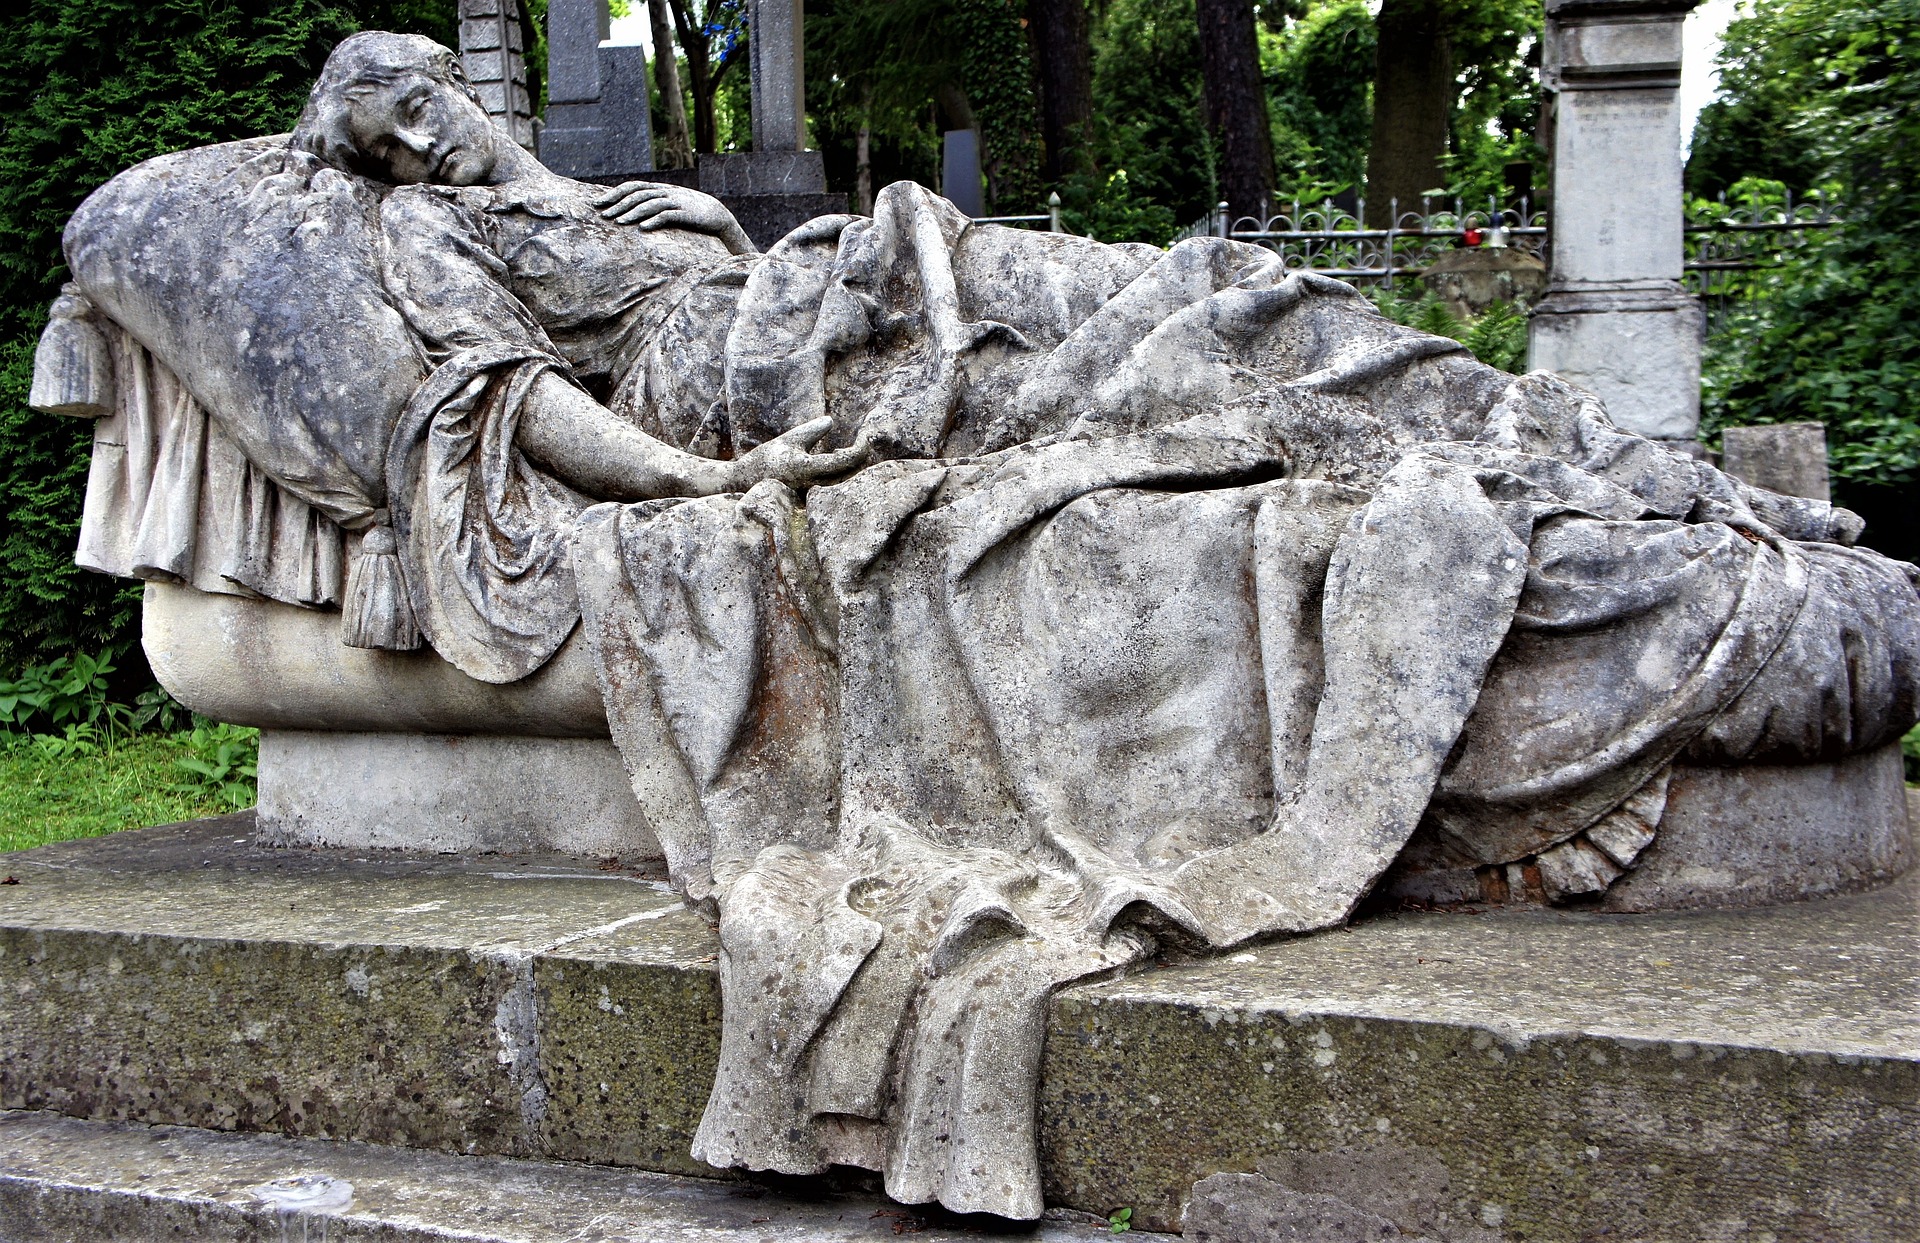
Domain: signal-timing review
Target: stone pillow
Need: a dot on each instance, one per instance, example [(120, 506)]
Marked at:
[(252, 272)]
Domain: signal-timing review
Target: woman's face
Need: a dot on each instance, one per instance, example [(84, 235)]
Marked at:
[(420, 130)]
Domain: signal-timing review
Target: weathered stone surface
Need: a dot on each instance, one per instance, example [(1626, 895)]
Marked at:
[(453, 793), (273, 666), (1185, 589), (1541, 1075), (1790, 458), (1243, 1208), (62, 1180)]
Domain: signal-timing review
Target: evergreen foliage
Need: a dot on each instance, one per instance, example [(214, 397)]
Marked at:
[(94, 88)]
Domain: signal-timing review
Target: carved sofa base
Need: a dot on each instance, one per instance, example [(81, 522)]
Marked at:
[(372, 749)]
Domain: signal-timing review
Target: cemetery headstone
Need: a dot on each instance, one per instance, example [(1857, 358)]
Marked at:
[(1788, 458), (598, 127), (960, 171)]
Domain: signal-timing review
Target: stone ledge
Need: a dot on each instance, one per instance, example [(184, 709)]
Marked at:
[(1699, 1075), (62, 1179)]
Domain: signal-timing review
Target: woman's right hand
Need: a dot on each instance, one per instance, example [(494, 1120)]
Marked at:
[(789, 457)]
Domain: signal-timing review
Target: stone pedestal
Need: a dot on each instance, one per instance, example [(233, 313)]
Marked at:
[(452, 793), (1615, 319), (1562, 1076), (771, 193)]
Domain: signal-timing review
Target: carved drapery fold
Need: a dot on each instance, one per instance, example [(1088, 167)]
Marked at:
[(171, 498)]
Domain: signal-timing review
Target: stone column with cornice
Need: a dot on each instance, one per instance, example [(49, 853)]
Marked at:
[(1615, 319)]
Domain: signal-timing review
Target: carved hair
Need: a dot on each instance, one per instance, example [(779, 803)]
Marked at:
[(359, 65)]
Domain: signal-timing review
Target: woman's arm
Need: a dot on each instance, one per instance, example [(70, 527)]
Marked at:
[(601, 454)]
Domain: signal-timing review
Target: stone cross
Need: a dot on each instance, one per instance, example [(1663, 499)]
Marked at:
[(1615, 319), (778, 52), (598, 126), (493, 55)]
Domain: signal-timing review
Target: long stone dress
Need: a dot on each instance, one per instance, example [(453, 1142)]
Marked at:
[(1172, 620)]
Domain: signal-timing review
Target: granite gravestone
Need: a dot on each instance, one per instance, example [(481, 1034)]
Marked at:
[(598, 125)]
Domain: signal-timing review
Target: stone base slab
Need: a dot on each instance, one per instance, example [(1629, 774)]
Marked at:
[(62, 1179), (1710, 1075), (448, 793)]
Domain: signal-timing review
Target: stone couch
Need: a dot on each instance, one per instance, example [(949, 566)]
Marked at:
[(1193, 603)]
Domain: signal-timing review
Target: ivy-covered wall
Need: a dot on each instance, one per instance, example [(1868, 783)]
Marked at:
[(92, 87)]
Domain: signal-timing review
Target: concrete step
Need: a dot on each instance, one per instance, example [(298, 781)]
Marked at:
[(62, 1180), (1703, 1075)]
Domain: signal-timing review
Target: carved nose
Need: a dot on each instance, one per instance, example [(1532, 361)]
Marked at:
[(414, 140)]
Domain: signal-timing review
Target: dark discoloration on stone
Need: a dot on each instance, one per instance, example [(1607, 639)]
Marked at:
[(1665, 1075)]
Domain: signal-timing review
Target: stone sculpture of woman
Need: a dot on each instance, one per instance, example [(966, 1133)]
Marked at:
[(1187, 594)]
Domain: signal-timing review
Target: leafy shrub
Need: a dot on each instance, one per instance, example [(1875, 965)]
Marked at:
[(1825, 93), (222, 762), (1497, 336), (71, 694)]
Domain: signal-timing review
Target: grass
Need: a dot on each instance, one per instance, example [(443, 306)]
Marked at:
[(50, 797)]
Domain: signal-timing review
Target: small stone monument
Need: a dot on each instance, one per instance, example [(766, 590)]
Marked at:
[(1470, 279), (1615, 319), (597, 124), (1788, 458), (779, 185)]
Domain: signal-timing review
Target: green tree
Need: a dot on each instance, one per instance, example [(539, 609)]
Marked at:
[(1834, 335), (1320, 80), (100, 86)]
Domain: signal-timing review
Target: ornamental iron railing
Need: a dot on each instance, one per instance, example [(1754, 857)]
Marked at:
[(1731, 246), (1335, 242), (1726, 244)]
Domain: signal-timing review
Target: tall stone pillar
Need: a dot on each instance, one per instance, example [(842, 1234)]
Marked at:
[(1615, 319), (779, 185), (778, 64), (493, 53), (598, 127)]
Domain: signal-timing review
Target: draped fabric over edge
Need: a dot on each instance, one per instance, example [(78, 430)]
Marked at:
[(1260, 583), (171, 498)]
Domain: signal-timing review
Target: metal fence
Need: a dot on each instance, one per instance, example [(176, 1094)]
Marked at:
[(1725, 245), (1728, 246), (1336, 242)]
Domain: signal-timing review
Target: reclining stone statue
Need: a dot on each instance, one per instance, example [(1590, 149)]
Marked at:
[(1133, 601)]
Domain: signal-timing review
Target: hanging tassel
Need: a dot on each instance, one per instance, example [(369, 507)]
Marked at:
[(377, 612), (72, 369)]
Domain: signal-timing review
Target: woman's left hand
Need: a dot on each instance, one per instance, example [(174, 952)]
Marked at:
[(653, 205)]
